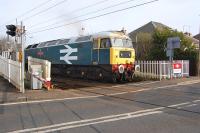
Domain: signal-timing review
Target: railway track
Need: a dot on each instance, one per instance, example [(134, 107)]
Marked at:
[(62, 85), (88, 85)]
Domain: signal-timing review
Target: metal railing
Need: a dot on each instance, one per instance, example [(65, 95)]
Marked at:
[(161, 69)]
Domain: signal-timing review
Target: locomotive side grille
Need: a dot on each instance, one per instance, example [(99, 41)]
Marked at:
[(125, 54)]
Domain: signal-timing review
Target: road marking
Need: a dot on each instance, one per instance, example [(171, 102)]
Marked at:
[(104, 119), (93, 88), (191, 105), (195, 101), (96, 96), (49, 100), (144, 83), (136, 84), (120, 93), (181, 104), (92, 121), (99, 122)]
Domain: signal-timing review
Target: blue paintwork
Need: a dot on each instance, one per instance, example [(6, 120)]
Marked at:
[(86, 55)]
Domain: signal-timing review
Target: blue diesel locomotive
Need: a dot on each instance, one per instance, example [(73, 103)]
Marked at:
[(102, 56)]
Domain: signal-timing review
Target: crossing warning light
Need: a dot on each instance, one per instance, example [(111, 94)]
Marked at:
[(177, 68), (11, 30)]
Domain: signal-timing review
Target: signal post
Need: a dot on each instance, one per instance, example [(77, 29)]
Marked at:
[(18, 31)]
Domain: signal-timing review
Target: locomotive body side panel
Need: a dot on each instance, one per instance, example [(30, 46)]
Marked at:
[(68, 54)]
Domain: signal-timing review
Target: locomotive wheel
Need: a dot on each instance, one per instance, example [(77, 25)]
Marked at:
[(100, 76), (114, 78), (131, 76)]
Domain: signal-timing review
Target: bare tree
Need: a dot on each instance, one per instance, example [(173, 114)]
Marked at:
[(5, 45)]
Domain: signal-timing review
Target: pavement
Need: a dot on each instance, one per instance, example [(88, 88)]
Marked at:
[(150, 106)]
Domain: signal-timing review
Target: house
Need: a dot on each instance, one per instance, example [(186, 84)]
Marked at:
[(197, 37), (151, 27), (195, 42), (147, 28), (142, 44), (143, 47)]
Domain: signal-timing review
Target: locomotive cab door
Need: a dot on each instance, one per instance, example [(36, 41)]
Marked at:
[(95, 51)]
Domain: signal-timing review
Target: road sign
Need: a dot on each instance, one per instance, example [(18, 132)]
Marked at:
[(177, 68), (173, 42)]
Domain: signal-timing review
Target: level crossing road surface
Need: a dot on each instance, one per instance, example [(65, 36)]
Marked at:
[(159, 109)]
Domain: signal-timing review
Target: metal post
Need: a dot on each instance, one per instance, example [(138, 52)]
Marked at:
[(160, 69), (171, 66), (23, 64), (199, 54)]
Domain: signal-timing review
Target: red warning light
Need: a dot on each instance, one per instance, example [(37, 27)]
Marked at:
[(177, 66)]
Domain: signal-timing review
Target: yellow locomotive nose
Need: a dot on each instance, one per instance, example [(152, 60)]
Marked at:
[(122, 56)]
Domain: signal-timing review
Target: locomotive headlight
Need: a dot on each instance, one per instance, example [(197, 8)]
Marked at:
[(121, 69), (137, 68)]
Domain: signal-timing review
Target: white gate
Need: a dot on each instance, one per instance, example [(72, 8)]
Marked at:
[(160, 69), (11, 70)]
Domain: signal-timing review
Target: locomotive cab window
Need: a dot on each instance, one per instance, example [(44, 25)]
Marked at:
[(29, 47), (118, 42), (35, 45), (105, 43)]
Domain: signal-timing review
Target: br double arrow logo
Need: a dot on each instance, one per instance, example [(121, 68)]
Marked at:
[(67, 58)]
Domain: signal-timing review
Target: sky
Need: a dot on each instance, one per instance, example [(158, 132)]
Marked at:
[(37, 15)]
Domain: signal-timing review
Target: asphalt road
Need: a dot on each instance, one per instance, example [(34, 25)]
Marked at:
[(157, 109)]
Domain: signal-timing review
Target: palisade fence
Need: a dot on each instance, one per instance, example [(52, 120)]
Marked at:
[(11, 70), (160, 69)]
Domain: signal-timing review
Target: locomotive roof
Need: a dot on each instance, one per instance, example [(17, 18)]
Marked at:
[(104, 34), (118, 34)]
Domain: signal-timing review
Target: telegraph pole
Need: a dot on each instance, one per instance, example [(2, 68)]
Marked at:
[(199, 56), (199, 53), (22, 30)]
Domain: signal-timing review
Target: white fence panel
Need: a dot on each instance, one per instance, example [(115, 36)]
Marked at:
[(160, 69), (15, 73), (11, 70)]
